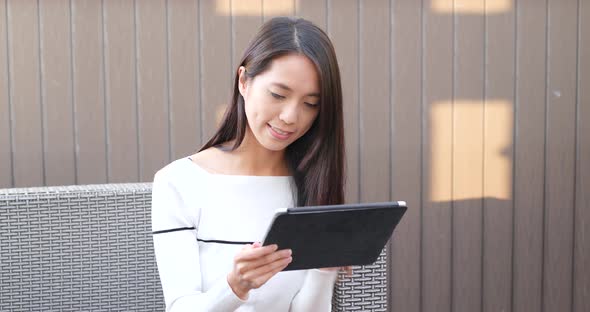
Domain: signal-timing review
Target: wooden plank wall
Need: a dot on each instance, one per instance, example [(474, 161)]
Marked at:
[(581, 254), (477, 113), (529, 156)]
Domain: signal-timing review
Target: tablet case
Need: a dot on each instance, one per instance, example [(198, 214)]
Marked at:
[(336, 235)]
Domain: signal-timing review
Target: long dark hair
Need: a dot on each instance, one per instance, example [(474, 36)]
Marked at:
[(316, 159)]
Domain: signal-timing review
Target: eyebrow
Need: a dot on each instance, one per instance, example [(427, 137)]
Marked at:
[(285, 87)]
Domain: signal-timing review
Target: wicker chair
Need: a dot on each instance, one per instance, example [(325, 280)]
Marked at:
[(89, 248)]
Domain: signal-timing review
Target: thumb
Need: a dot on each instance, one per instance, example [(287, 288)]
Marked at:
[(251, 246)]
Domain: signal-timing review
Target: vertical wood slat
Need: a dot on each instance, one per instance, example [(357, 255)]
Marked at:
[(314, 11), (529, 156), (183, 50), (467, 157), (5, 131), (56, 82), (246, 19), (581, 280), (560, 159), (436, 158), (343, 27), (152, 87), (498, 159), (121, 101), (23, 44), (244, 27), (374, 99), (375, 96), (215, 64), (406, 47), (88, 88)]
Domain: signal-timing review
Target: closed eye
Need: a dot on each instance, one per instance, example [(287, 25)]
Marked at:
[(277, 96), (311, 104)]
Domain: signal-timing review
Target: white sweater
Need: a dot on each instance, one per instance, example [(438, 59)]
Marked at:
[(201, 220)]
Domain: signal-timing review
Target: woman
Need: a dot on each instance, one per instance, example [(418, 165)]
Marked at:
[(280, 144)]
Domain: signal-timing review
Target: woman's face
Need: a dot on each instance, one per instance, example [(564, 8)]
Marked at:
[(282, 102)]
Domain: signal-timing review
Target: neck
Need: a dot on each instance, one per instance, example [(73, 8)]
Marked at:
[(251, 158)]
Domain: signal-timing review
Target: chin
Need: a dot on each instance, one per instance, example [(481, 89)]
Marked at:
[(275, 147), (271, 143)]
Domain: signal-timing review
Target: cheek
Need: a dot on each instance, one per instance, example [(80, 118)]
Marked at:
[(257, 109), (251, 103)]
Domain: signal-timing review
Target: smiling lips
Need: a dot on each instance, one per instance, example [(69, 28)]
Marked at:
[(278, 133)]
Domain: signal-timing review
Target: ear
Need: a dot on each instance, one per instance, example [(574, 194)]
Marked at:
[(242, 81)]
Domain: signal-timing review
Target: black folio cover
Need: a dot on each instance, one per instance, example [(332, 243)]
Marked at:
[(332, 236)]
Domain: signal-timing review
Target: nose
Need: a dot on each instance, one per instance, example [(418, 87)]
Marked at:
[(289, 113)]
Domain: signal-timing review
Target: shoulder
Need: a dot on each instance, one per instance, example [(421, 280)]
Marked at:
[(173, 190), (172, 170), (180, 175), (210, 159)]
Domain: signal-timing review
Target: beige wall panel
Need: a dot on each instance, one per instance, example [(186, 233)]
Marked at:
[(5, 131), (344, 34), (437, 158), (23, 51), (582, 213), (529, 155), (375, 101), (89, 91), (467, 126), (246, 20), (560, 158), (121, 101), (314, 11), (498, 158), (272, 8), (183, 57), (56, 89), (244, 27), (215, 63), (152, 87), (406, 119)]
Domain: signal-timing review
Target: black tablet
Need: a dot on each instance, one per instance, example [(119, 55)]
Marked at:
[(336, 235)]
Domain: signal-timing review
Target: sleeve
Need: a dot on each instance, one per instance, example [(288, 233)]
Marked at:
[(177, 255), (316, 292)]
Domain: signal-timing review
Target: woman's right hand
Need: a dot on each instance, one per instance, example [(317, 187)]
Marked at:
[(255, 265)]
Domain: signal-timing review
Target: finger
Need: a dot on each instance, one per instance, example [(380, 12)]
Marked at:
[(249, 265), (256, 252), (264, 269), (331, 269), (251, 246), (348, 270), (262, 279)]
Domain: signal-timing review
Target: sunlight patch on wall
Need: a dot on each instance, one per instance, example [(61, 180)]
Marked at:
[(244, 8), (499, 134), (441, 141), (471, 6), (498, 140)]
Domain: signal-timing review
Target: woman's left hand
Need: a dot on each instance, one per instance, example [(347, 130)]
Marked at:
[(348, 269)]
